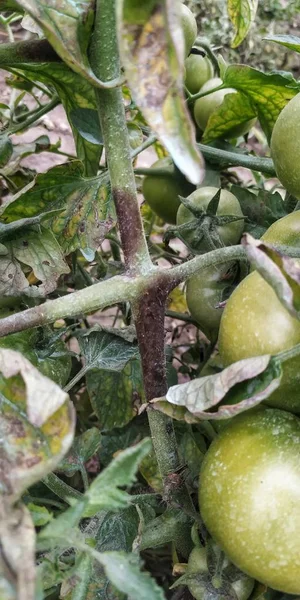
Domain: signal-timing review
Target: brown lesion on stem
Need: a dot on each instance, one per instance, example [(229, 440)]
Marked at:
[(33, 51), (129, 221)]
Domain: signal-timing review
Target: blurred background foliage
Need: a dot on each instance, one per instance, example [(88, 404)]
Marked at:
[(273, 16)]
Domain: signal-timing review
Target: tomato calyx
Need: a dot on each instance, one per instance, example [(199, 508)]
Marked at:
[(204, 226), (210, 575)]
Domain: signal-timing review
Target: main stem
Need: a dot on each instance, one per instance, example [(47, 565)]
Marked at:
[(104, 57), (149, 306)]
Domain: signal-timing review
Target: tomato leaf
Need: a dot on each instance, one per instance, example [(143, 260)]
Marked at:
[(237, 388), (116, 395), (262, 209), (85, 205), (37, 424), (292, 42), (242, 14), (79, 100), (269, 92), (281, 272), (17, 559), (83, 448), (104, 350), (152, 49), (67, 26), (235, 110)]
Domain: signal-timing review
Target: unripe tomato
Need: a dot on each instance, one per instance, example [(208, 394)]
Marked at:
[(255, 322), (204, 292), (189, 27), (249, 496), (161, 191), (285, 146), (228, 205), (198, 70), (204, 108)]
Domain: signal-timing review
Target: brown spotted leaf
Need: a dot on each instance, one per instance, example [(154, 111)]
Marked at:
[(83, 209), (36, 424), (281, 272), (237, 388), (152, 49)]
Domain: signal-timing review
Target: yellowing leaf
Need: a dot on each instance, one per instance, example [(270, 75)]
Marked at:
[(242, 14), (36, 424), (152, 50), (177, 301)]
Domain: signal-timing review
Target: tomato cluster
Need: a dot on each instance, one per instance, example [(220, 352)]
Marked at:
[(249, 493)]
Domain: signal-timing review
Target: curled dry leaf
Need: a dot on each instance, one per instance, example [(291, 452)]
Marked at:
[(152, 50), (237, 388), (17, 558), (37, 423), (281, 272)]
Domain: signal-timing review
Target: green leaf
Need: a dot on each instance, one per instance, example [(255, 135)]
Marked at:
[(116, 396), (152, 49), (289, 41), (84, 204), (86, 121), (237, 388), (262, 208), (104, 493), (242, 14), (268, 92), (83, 448), (76, 94), (67, 26), (103, 350), (124, 572), (39, 514), (235, 110), (36, 423)]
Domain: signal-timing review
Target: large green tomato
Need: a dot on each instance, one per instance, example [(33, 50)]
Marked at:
[(249, 496), (204, 108), (228, 205), (161, 191), (189, 27), (255, 322), (198, 70), (285, 146)]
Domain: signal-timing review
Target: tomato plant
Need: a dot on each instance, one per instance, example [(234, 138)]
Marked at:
[(145, 373), (249, 490)]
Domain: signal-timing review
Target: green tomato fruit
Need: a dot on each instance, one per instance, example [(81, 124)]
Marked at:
[(204, 108), (198, 70), (189, 27), (249, 496), (204, 292), (228, 205), (285, 146), (255, 322), (161, 191)]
